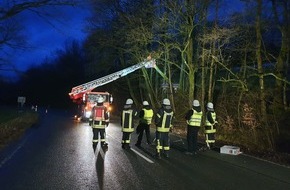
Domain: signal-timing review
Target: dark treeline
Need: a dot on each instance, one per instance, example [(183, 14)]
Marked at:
[(49, 83)]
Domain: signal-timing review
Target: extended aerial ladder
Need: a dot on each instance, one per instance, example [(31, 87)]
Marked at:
[(77, 92)]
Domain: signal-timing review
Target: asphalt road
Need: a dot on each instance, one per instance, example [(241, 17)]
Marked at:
[(57, 154)]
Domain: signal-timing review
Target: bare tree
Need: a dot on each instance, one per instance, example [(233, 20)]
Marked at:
[(11, 8), (10, 28), (259, 39), (282, 66)]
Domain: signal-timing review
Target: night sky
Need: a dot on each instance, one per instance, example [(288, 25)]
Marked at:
[(46, 34)]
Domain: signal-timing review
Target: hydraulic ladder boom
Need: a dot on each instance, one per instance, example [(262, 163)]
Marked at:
[(78, 91)]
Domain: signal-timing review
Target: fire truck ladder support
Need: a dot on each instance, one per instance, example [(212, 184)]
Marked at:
[(83, 88)]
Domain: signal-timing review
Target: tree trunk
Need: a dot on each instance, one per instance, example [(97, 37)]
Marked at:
[(263, 110), (281, 66), (150, 96), (189, 53), (131, 91)]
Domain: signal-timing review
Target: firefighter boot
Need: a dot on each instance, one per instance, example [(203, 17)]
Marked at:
[(158, 156), (166, 154), (128, 146), (138, 145), (95, 146), (104, 144)]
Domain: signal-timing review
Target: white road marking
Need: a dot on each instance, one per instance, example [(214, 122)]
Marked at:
[(142, 156), (7, 158), (135, 151)]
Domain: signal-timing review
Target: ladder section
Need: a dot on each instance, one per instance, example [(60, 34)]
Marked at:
[(79, 90)]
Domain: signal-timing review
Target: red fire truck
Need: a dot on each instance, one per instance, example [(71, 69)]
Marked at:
[(85, 98)]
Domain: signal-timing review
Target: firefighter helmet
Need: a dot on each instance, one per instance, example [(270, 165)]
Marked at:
[(145, 103), (210, 105), (100, 99), (166, 102), (129, 101), (195, 103)]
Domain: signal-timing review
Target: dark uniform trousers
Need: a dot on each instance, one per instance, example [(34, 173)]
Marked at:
[(162, 139), (143, 127), (192, 134)]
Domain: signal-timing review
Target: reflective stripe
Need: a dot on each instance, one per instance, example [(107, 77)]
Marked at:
[(213, 115), (98, 125), (158, 147), (99, 117), (210, 128), (210, 141), (166, 148), (195, 119), (166, 122), (148, 114), (127, 121), (97, 140)]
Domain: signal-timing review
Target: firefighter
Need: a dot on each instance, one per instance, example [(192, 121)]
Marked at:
[(193, 118), (99, 120), (127, 122), (163, 121), (145, 115), (210, 125)]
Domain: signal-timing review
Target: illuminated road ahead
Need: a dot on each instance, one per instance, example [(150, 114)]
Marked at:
[(57, 154)]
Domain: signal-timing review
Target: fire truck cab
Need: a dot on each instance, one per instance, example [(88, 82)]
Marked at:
[(89, 101)]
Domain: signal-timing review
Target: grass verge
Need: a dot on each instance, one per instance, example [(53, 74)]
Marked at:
[(13, 125)]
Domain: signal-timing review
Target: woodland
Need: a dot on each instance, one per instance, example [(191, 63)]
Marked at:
[(238, 60)]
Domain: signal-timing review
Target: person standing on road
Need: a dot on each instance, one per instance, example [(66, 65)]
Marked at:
[(163, 121), (145, 115), (127, 123), (210, 125), (193, 118), (99, 120)]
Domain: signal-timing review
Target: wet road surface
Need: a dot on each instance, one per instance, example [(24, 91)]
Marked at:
[(58, 154)]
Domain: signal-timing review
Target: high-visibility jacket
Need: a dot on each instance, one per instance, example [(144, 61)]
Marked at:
[(148, 115), (166, 119), (99, 117), (127, 120), (210, 127), (195, 119)]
